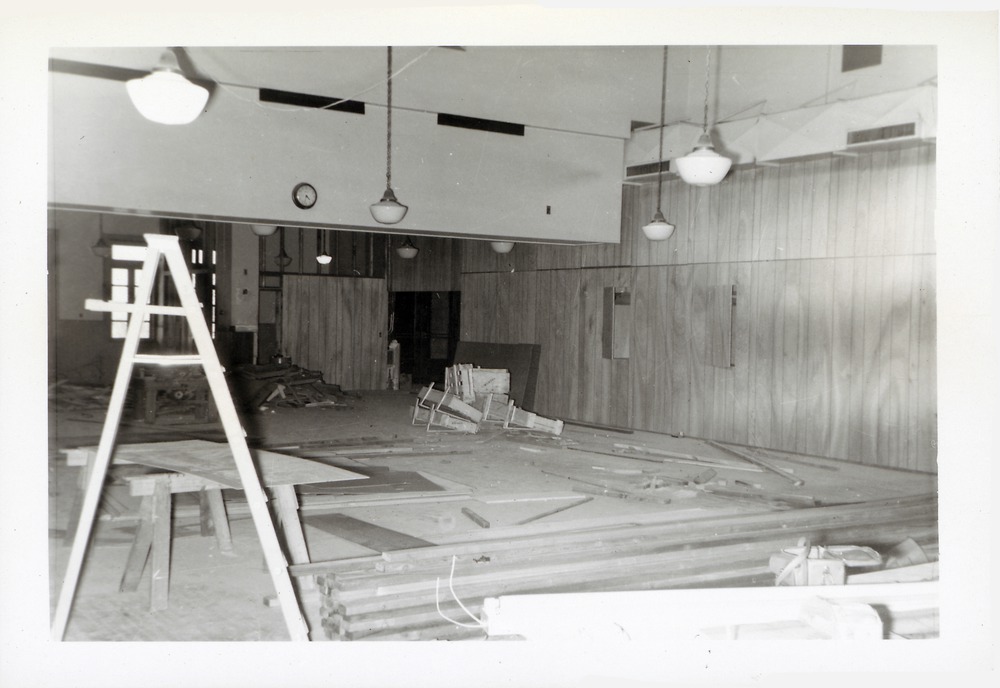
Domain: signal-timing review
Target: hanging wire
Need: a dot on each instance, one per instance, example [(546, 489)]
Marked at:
[(231, 88), (663, 113), (708, 58), (388, 120)]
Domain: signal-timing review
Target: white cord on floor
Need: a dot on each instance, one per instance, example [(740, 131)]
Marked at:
[(437, 601)]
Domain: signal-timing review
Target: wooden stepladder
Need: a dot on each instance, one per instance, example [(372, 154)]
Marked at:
[(167, 248)]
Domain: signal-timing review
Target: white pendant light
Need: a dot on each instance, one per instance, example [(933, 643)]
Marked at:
[(188, 231), (264, 230), (407, 250), (324, 258), (502, 246), (703, 166), (165, 95), (388, 211), (659, 229)]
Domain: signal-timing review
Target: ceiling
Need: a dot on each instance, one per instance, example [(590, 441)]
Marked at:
[(600, 90)]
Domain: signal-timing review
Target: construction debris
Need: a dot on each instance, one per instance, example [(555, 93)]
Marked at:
[(406, 594), (285, 384), (473, 397)]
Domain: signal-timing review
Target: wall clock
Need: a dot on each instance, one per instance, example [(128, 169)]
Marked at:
[(304, 195)]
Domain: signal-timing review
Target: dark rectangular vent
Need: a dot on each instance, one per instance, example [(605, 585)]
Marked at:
[(493, 125), (860, 56), (270, 95), (894, 131), (647, 168)]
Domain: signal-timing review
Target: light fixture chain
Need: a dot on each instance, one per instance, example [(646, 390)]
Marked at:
[(663, 113), (708, 57), (388, 118)]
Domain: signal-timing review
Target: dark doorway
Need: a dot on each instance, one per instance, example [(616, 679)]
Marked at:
[(426, 325)]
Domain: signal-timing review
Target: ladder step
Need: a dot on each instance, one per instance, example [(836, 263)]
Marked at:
[(167, 359), (112, 306)]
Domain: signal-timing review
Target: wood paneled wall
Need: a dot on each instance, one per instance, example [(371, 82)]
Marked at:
[(437, 266), (337, 325), (833, 334)]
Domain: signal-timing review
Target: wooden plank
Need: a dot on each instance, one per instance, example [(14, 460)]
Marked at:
[(139, 552), (763, 464), (819, 221), (926, 416), (379, 482), (213, 461), (159, 556), (841, 338), (559, 336), (897, 370), (220, 520), (448, 403), (363, 533), (643, 371), (870, 372), (795, 210)]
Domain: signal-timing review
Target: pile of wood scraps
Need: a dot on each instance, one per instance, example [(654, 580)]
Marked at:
[(284, 384), (420, 593), (738, 475), (66, 395), (474, 397)]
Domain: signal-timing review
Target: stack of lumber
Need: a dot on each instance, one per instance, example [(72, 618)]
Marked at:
[(284, 384), (473, 397), (405, 594)]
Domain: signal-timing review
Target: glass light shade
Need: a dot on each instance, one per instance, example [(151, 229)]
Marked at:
[(502, 246), (165, 96), (264, 230), (187, 231), (101, 249), (324, 259), (388, 211), (407, 250), (703, 166), (659, 229)]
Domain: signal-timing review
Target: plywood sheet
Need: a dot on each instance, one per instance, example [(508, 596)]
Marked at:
[(363, 533), (214, 461)]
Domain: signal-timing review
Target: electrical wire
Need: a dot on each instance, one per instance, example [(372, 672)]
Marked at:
[(437, 601), (230, 89)]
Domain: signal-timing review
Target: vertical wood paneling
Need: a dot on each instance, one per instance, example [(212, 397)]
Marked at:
[(925, 242), (557, 325), (833, 336), (479, 307), (336, 325), (435, 268), (841, 339), (926, 418), (646, 333)]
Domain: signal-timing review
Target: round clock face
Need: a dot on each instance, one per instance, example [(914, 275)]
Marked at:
[(304, 195)]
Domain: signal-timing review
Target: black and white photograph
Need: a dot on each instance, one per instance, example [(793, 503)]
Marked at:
[(485, 354)]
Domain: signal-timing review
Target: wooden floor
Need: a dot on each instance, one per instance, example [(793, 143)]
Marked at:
[(424, 489)]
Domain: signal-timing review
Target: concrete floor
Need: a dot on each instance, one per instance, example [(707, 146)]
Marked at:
[(217, 597)]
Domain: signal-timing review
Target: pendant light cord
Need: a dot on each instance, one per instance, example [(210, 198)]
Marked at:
[(708, 58), (388, 120), (663, 112)]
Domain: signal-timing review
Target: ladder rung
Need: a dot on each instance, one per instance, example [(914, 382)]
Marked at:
[(167, 359), (111, 306)]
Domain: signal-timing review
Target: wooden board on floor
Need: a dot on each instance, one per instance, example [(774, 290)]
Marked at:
[(363, 533), (379, 482), (214, 461)]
